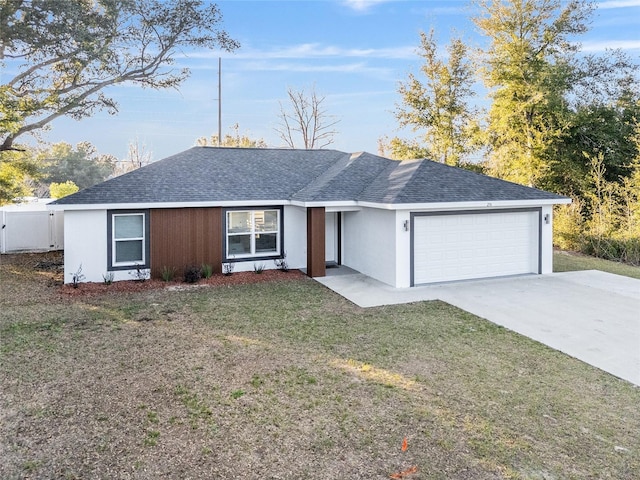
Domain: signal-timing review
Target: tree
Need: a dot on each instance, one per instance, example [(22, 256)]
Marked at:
[(15, 171), (68, 52), (82, 165), (137, 157), (306, 120), (438, 103), (399, 149), (232, 139), (527, 68), (599, 130), (59, 190)]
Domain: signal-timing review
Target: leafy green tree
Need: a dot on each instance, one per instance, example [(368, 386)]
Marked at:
[(232, 139), (15, 171), (630, 189), (527, 68), (595, 129), (437, 103), (59, 190), (67, 53), (400, 149), (82, 165)]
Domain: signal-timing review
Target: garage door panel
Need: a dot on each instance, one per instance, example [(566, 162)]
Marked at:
[(465, 246)]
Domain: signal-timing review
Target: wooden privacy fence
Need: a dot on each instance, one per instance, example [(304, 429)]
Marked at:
[(25, 230)]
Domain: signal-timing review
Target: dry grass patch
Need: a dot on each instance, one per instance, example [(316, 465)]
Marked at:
[(288, 380)]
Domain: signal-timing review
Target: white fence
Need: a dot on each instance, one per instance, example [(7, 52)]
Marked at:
[(27, 230)]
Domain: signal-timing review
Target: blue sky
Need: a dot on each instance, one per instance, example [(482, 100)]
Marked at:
[(355, 52)]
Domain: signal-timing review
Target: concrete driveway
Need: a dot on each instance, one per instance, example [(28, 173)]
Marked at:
[(590, 315)]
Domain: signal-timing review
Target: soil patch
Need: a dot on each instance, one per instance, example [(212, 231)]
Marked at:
[(130, 286)]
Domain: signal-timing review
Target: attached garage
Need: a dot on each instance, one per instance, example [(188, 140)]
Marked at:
[(450, 246)]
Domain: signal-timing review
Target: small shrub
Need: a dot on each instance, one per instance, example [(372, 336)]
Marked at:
[(108, 277), (258, 268), (207, 270), (140, 274), (192, 274), (281, 263), (227, 268), (168, 273), (77, 277)]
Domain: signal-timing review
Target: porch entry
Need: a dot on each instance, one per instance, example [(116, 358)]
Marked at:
[(332, 238)]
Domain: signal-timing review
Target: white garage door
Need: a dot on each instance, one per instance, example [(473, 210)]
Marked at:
[(474, 245)]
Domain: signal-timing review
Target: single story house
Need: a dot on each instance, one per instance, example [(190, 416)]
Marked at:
[(404, 223)]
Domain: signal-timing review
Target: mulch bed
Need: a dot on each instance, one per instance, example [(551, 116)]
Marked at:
[(132, 286)]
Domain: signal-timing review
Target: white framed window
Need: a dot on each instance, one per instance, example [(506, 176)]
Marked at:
[(252, 233), (128, 239)]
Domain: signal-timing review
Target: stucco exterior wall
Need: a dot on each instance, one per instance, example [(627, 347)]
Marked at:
[(546, 238), (403, 249), (369, 243), (85, 243), (295, 236)]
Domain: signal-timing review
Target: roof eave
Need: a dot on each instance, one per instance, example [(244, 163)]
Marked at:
[(341, 205), (476, 205), (147, 205)]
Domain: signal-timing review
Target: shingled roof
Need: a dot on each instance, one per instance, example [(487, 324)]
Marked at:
[(210, 175)]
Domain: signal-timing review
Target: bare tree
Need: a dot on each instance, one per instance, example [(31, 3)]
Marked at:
[(306, 120), (137, 157)]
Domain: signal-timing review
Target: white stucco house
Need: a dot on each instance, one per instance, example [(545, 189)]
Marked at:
[(403, 223)]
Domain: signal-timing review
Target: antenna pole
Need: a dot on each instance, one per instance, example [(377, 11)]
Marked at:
[(219, 101)]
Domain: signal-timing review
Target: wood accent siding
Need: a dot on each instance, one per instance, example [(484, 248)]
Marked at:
[(316, 263), (185, 236)]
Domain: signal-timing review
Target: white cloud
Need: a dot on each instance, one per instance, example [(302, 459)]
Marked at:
[(314, 50), (602, 45), (362, 5), (607, 4), (265, 66)]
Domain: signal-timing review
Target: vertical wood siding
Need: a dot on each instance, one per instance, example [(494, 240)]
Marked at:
[(185, 236), (316, 262)]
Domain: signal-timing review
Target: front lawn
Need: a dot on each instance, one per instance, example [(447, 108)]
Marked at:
[(289, 380)]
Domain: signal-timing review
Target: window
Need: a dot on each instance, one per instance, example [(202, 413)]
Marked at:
[(252, 233), (128, 240)]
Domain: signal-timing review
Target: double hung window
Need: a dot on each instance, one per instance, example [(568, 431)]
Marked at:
[(128, 239), (253, 233)]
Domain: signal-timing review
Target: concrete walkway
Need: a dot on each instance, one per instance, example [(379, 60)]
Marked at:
[(590, 315)]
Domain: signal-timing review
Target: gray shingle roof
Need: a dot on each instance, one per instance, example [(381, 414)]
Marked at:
[(425, 181), (208, 174)]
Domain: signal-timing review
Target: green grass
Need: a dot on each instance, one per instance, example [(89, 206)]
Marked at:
[(569, 261), (289, 380)]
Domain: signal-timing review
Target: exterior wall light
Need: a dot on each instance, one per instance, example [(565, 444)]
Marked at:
[(406, 225), (546, 218)]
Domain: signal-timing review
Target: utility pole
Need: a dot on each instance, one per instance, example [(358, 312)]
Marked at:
[(219, 101)]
